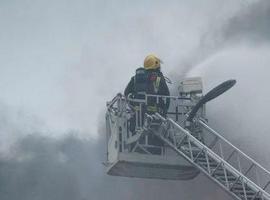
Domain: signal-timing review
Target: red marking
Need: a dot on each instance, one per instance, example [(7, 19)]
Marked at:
[(153, 77)]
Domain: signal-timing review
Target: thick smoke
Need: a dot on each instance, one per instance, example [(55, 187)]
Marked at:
[(248, 24), (40, 167), (241, 113), (69, 168)]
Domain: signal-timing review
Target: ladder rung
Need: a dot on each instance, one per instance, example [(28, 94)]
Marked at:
[(238, 185), (240, 190), (210, 162), (230, 179), (218, 173), (248, 195), (186, 147), (212, 165)]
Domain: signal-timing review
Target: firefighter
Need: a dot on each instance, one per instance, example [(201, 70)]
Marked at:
[(149, 80)]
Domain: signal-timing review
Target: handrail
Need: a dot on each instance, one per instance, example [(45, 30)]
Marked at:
[(204, 146), (229, 143), (243, 174), (128, 98), (158, 96), (217, 157), (114, 100)]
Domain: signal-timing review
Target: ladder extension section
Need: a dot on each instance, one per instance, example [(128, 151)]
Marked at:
[(222, 162)]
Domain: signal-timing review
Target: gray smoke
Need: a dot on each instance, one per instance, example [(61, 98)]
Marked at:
[(40, 167), (248, 25), (240, 114), (69, 168)]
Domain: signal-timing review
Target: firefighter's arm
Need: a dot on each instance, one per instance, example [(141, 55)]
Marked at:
[(165, 91), (130, 87)]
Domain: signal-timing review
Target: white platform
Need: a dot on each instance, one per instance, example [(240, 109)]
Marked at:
[(152, 166)]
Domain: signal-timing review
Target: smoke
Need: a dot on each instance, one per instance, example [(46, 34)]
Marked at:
[(39, 167), (251, 25), (247, 24), (241, 113)]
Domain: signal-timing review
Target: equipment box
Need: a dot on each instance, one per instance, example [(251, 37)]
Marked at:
[(191, 85)]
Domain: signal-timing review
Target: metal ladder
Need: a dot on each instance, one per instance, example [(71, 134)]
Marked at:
[(222, 162)]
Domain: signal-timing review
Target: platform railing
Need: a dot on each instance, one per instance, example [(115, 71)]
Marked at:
[(178, 109), (126, 111)]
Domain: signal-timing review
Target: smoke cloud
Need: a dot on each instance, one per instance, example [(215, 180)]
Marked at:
[(38, 166), (240, 114), (245, 25), (250, 25)]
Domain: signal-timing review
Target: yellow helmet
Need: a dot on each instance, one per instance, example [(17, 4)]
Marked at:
[(152, 62)]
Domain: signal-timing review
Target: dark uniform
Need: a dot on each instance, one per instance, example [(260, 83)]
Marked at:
[(150, 82)]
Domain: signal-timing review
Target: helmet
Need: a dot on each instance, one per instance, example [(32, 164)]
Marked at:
[(152, 62)]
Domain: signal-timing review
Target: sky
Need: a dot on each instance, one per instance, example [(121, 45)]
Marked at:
[(60, 61)]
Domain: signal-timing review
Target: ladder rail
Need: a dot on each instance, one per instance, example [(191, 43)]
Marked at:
[(201, 145), (234, 147), (214, 156), (198, 166), (264, 173), (218, 165)]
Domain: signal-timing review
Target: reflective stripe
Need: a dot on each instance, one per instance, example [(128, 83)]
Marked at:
[(136, 108), (158, 81), (156, 84), (152, 108), (148, 108)]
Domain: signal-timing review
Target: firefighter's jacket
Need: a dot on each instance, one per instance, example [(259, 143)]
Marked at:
[(149, 82)]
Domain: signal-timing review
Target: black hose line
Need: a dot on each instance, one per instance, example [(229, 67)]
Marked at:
[(212, 94)]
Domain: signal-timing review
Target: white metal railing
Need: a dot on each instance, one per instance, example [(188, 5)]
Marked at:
[(235, 172), (244, 163), (179, 107), (121, 109), (219, 159)]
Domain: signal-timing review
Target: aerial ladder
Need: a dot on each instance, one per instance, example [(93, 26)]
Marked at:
[(180, 144)]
